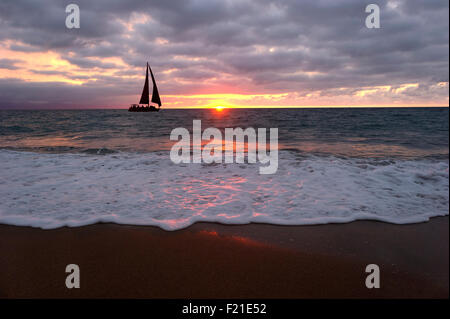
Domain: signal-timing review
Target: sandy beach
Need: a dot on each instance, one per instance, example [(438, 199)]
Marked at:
[(210, 260)]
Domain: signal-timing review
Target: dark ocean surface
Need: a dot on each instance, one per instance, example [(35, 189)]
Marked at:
[(406, 132)]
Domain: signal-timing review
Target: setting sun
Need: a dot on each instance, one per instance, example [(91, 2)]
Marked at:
[(219, 108)]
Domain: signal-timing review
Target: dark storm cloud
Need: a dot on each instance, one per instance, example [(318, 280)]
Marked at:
[(271, 46), (87, 63), (9, 64)]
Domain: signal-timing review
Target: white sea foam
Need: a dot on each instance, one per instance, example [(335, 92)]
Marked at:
[(53, 190)]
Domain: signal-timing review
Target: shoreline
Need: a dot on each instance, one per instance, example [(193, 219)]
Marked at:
[(211, 260)]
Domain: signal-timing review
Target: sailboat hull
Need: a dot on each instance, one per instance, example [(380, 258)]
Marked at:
[(150, 108)]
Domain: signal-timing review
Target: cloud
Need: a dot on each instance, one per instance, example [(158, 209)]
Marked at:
[(313, 51), (9, 64)]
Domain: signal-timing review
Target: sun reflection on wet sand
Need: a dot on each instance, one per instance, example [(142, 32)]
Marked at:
[(234, 238)]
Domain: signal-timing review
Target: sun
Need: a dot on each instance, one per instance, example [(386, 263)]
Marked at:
[(219, 108)]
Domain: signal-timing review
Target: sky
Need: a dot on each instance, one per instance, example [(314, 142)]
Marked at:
[(231, 53)]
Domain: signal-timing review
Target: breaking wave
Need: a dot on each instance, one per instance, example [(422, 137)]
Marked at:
[(74, 189)]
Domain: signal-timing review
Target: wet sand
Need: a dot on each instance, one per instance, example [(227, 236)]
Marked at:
[(210, 260)]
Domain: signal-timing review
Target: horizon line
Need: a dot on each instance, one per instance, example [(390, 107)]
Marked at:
[(238, 107)]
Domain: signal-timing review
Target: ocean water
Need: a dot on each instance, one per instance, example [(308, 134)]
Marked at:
[(77, 167)]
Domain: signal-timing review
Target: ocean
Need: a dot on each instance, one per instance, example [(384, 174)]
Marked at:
[(78, 167)]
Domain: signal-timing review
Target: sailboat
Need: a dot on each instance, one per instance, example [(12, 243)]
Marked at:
[(145, 98)]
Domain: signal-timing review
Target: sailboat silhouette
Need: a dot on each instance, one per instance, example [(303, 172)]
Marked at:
[(145, 98)]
